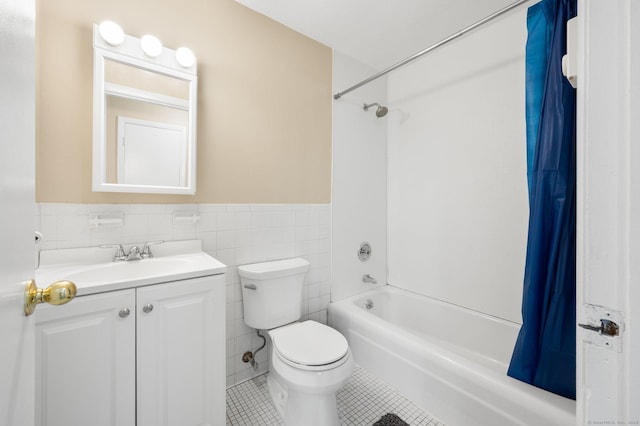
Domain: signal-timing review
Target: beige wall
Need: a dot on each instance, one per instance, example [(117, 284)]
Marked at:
[(264, 101)]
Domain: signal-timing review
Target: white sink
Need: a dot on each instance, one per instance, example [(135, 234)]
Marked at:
[(93, 271)]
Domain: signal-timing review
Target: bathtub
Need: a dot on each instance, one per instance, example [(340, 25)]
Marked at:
[(448, 360)]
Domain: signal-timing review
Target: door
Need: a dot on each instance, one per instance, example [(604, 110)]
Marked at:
[(86, 360), (180, 360), (151, 153), (17, 212), (608, 221)]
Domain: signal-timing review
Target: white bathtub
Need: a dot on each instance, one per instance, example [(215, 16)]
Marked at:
[(448, 360)]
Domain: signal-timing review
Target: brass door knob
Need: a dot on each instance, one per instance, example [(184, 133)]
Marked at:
[(58, 293)]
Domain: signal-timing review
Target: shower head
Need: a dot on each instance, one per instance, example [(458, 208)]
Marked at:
[(381, 111)]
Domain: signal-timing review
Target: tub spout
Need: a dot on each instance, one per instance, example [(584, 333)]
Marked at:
[(369, 279)]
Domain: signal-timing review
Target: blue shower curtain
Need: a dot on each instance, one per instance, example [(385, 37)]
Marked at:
[(545, 351)]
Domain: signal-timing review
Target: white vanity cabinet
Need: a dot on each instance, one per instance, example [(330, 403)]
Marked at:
[(85, 361), (145, 356)]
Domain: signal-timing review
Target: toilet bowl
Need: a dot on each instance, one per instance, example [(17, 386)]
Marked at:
[(309, 361)]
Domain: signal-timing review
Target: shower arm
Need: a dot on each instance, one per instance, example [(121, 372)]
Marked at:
[(430, 48)]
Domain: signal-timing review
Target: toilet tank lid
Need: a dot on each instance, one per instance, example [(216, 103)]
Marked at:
[(275, 269)]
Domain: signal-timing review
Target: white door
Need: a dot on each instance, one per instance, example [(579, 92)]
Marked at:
[(86, 360), (151, 153), (608, 211), (17, 208)]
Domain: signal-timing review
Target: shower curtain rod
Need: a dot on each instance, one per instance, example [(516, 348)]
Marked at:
[(430, 48)]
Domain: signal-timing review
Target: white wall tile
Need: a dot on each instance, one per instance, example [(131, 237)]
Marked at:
[(235, 208), (239, 310), (240, 328), (226, 256), (244, 238), (230, 349), (314, 304), (49, 228), (231, 380), (148, 208), (209, 241), (212, 208), (226, 240), (244, 221), (208, 222), (226, 221), (160, 222), (314, 290), (230, 369), (324, 301), (244, 255), (135, 225)]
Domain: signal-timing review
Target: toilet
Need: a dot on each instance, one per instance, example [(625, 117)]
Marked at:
[(309, 361)]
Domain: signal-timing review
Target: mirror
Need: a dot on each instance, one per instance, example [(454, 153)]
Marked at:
[(144, 118)]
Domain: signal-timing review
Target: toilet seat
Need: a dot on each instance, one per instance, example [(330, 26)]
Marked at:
[(310, 345)]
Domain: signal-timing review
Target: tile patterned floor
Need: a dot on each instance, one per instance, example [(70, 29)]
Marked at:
[(361, 402)]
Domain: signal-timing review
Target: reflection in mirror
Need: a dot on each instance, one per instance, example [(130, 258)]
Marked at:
[(144, 120)]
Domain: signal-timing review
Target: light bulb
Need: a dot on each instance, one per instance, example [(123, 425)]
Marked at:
[(151, 45), (111, 33), (185, 57)]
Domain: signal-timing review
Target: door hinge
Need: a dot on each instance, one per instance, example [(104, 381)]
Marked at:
[(603, 327)]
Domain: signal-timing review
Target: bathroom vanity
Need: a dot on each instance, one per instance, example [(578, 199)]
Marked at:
[(143, 342)]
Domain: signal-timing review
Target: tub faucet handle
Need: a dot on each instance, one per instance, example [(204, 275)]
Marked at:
[(366, 278)]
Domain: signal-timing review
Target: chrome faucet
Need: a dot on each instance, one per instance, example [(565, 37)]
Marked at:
[(134, 252), (369, 279)]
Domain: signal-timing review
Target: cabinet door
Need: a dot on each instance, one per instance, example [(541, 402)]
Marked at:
[(85, 362), (181, 353)]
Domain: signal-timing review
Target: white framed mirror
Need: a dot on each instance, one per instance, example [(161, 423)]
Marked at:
[(144, 115)]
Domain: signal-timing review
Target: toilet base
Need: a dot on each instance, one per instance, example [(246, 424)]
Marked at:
[(302, 409)]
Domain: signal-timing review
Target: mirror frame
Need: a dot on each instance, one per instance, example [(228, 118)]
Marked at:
[(130, 52)]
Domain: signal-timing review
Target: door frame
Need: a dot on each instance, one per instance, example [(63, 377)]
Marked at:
[(608, 207)]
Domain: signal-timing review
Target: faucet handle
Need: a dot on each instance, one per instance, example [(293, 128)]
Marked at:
[(146, 250), (119, 256)]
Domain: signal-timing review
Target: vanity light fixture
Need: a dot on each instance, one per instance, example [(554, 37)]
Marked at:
[(151, 46), (111, 32), (185, 57)]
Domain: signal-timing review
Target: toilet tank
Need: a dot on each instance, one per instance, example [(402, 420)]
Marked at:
[(272, 292)]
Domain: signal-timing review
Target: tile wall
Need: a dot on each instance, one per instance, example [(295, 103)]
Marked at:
[(235, 234)]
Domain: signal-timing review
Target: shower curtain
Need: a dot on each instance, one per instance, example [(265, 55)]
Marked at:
[(545, 351)]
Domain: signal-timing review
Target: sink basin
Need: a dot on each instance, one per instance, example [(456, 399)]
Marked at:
[(92, 273)]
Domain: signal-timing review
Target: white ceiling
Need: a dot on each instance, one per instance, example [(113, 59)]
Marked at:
[(377, 32)]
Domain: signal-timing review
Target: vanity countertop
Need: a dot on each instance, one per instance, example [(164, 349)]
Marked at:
[(93, 270)]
